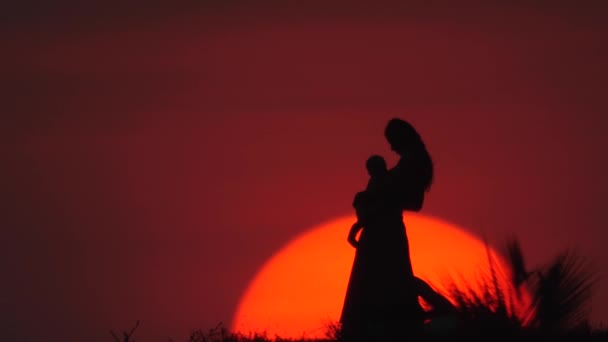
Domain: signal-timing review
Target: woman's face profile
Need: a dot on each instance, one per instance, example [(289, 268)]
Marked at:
[(396, 145), (399, 135)]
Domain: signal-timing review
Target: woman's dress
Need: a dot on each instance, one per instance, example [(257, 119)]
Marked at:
[(381, 300)]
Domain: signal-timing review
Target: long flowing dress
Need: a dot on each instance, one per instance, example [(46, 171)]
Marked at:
[(381, 300)]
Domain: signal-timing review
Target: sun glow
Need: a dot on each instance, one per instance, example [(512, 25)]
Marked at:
[(301, 289)]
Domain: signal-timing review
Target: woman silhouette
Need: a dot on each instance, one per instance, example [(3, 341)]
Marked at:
[(381, 299)]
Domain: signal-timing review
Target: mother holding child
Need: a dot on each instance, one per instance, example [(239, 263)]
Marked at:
[(382, 295)]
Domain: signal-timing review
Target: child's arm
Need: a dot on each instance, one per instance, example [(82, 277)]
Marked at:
[(352, 234), (357, 226)]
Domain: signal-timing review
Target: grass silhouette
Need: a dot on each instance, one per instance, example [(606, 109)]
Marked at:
[(558, 306)]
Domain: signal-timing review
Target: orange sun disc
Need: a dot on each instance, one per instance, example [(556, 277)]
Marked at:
[(300, 290)]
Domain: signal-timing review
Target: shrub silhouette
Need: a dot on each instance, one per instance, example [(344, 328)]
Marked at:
[(560, 294), (560, 298)]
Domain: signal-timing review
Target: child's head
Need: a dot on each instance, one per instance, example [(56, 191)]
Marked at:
[(376, 166)]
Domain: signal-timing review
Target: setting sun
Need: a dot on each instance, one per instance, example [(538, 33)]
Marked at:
[(301, 289)]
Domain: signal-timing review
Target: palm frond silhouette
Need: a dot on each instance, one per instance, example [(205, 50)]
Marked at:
[(561, 291), (549, 300)]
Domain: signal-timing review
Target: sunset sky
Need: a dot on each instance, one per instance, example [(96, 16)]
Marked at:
[(155, 156)]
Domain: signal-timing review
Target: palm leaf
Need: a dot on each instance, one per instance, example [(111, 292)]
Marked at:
[(562, 294), (516, 262)]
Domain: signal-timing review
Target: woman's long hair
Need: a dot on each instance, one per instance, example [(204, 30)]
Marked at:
[(406, 141)]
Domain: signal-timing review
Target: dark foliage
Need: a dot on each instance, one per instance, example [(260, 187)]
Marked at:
[(558, 293)]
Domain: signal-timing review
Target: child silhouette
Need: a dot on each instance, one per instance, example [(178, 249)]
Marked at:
[(378, 172)]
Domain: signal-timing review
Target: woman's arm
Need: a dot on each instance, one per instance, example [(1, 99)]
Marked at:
[(352, 233), (403, 190), (412, 200)]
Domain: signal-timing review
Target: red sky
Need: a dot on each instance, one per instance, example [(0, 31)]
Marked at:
[(156, 157)]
